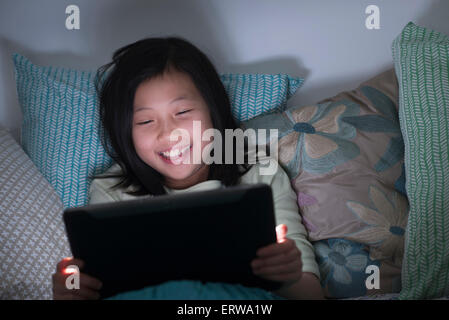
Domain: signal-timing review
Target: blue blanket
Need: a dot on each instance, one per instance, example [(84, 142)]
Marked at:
[(196, 290)]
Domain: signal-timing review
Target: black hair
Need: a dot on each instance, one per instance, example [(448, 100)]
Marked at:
[(116, 84)]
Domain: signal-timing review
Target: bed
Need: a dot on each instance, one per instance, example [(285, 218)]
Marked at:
[(368, 174)]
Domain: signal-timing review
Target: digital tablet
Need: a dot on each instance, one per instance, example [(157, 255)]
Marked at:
[(205, 235)]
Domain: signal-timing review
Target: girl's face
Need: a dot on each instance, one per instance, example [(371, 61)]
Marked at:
[(162, 105)]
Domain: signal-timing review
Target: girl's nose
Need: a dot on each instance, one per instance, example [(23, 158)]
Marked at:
[(165, 129)]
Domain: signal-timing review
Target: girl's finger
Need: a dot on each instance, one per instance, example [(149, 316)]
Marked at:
[(281, 233), (86, 281), (290, 267), (276, 248), (277, 259), (87, 293), (90, 282), (59, 286), (69, 296), (59, 281), (64, 263), (285, 278)]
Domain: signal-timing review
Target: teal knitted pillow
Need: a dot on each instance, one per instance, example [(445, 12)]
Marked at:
[(61, 119), (254, 94), (59, 127), (421, 58)]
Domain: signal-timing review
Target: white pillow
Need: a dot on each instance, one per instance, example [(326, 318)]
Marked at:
[(32, 233)]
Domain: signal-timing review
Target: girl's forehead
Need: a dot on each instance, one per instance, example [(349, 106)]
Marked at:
[(170, 82), (174, 77), (170, 88)]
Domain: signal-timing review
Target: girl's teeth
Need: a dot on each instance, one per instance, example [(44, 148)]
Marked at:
[(174, 153)]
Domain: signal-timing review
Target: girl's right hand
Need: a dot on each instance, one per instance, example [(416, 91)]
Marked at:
[(89, 286)]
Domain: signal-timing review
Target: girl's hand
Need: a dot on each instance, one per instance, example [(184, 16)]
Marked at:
[(89, 286), (280, 261)]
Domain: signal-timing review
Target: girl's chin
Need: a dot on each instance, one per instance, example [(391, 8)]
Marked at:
[(186, 175), (180, 172)]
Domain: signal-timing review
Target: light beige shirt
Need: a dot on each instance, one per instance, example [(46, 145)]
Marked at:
[(284, 198)]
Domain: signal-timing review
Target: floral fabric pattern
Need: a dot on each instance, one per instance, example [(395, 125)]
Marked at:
[(342, 266), (344, 156), (386, 224), (386, 121), (317, 139)]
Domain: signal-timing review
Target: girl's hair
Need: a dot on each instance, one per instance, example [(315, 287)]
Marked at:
[(116, 84)]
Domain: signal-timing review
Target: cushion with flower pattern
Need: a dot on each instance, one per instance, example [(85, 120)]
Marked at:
[(345, 158), (348, 271)]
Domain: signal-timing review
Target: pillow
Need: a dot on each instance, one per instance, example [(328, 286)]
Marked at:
[(254, 94), (61, 120), (345, 158), (32, 235), (421, 60), (343, 266)]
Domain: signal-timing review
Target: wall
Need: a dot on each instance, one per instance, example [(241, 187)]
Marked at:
[(325, 41)]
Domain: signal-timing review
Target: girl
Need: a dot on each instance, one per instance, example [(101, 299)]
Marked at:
[(150, 89)]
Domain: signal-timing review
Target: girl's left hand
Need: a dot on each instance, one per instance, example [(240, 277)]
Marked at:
[(279, 261)]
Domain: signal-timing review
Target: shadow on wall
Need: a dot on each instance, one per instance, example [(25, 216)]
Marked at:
[(435, 17), (290, 65), (437, 12)]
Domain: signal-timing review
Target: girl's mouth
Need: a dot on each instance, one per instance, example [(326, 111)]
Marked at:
[(175, 156)]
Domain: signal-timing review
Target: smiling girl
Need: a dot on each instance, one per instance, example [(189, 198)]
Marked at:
[(151, 89)]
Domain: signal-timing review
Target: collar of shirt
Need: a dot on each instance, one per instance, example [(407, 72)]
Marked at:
[(202, 186)]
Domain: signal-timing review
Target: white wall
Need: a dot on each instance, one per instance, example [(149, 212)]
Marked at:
[(325, 41)]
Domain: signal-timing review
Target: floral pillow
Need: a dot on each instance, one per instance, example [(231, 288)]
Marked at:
[(348, 271), (345, 158)]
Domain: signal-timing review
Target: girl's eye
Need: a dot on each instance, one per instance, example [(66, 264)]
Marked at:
[(185, 111), (145, 122)]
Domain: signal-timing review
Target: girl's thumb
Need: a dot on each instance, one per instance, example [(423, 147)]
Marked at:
[(281, 232)]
